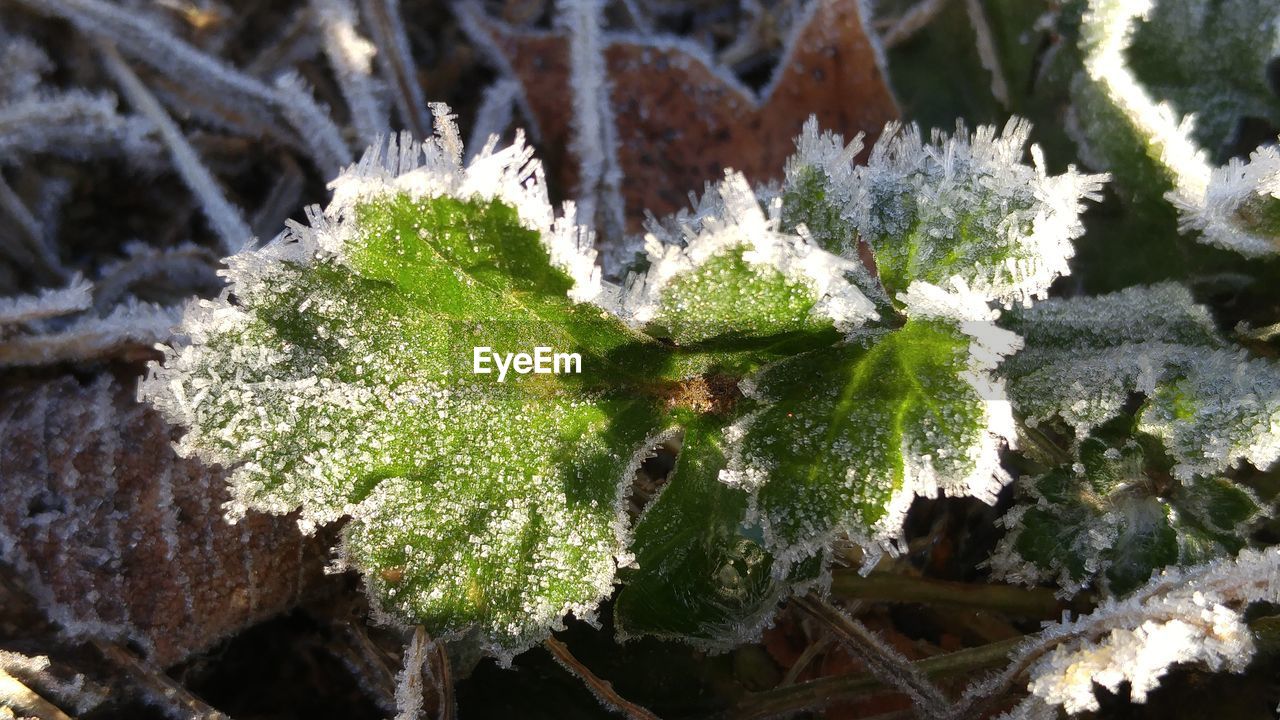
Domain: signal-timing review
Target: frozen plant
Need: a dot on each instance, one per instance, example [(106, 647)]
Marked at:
[(1143, 486), (334, 377)]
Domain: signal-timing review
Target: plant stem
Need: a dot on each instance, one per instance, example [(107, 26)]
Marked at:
[(892, 587), (881, 659), (824, 691), (602, 689)]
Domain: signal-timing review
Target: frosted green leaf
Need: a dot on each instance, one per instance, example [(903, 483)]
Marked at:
[(1146, 63), (845, 437), (1209, 402), (727, 276), (1210, 59), (336, 377), (355, 369), (964, 206), (1114, 517)]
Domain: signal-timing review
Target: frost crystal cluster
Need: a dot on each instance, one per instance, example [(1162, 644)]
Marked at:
[(826, 351), (1166, 88)]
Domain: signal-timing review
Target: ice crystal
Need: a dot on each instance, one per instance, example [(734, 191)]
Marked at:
[(1149, 61), (1209, 402)]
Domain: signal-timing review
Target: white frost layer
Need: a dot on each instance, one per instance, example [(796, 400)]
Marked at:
[(730, 216), (1019, 211), (1234, 189)]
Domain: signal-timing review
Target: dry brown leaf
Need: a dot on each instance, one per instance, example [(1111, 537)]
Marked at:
[(120, 539), (682, 119)]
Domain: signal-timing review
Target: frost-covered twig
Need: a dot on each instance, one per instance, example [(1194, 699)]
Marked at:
[(132, 324), (494, 115), (28, 245), (141, 39), (1179, 617), (987, 53), (409, 682), (352, 59), (14, 695), (187, 268), (74, 124), (159, 689), (595, 140), (62, 685), (911, 22), (49, 303), (223, 217), (386, 26), (785, 700), (881, 660), (602, 689), (893, 587)]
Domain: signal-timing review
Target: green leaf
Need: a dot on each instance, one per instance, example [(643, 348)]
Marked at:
[(1115, 517), (1210, 403), (727, 284), (844, 437), (703, 574), (339, 380), (1211, 59), (1204, 56), (960, 207)]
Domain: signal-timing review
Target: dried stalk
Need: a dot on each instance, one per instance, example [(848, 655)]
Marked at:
[(170, 696), (386, 26), (602, 689), (138, 37), (17, 696), (881, 660), (892, 587), (351, 57)]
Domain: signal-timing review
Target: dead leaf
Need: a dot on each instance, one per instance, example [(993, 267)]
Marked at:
[(681, 118), (120, 539)]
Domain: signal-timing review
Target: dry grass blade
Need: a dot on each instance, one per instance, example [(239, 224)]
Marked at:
[(25, 243), (225, 218), (138, 37), (174, 699), (602, 689), (881, 660), (386, 27), (351, 57)]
